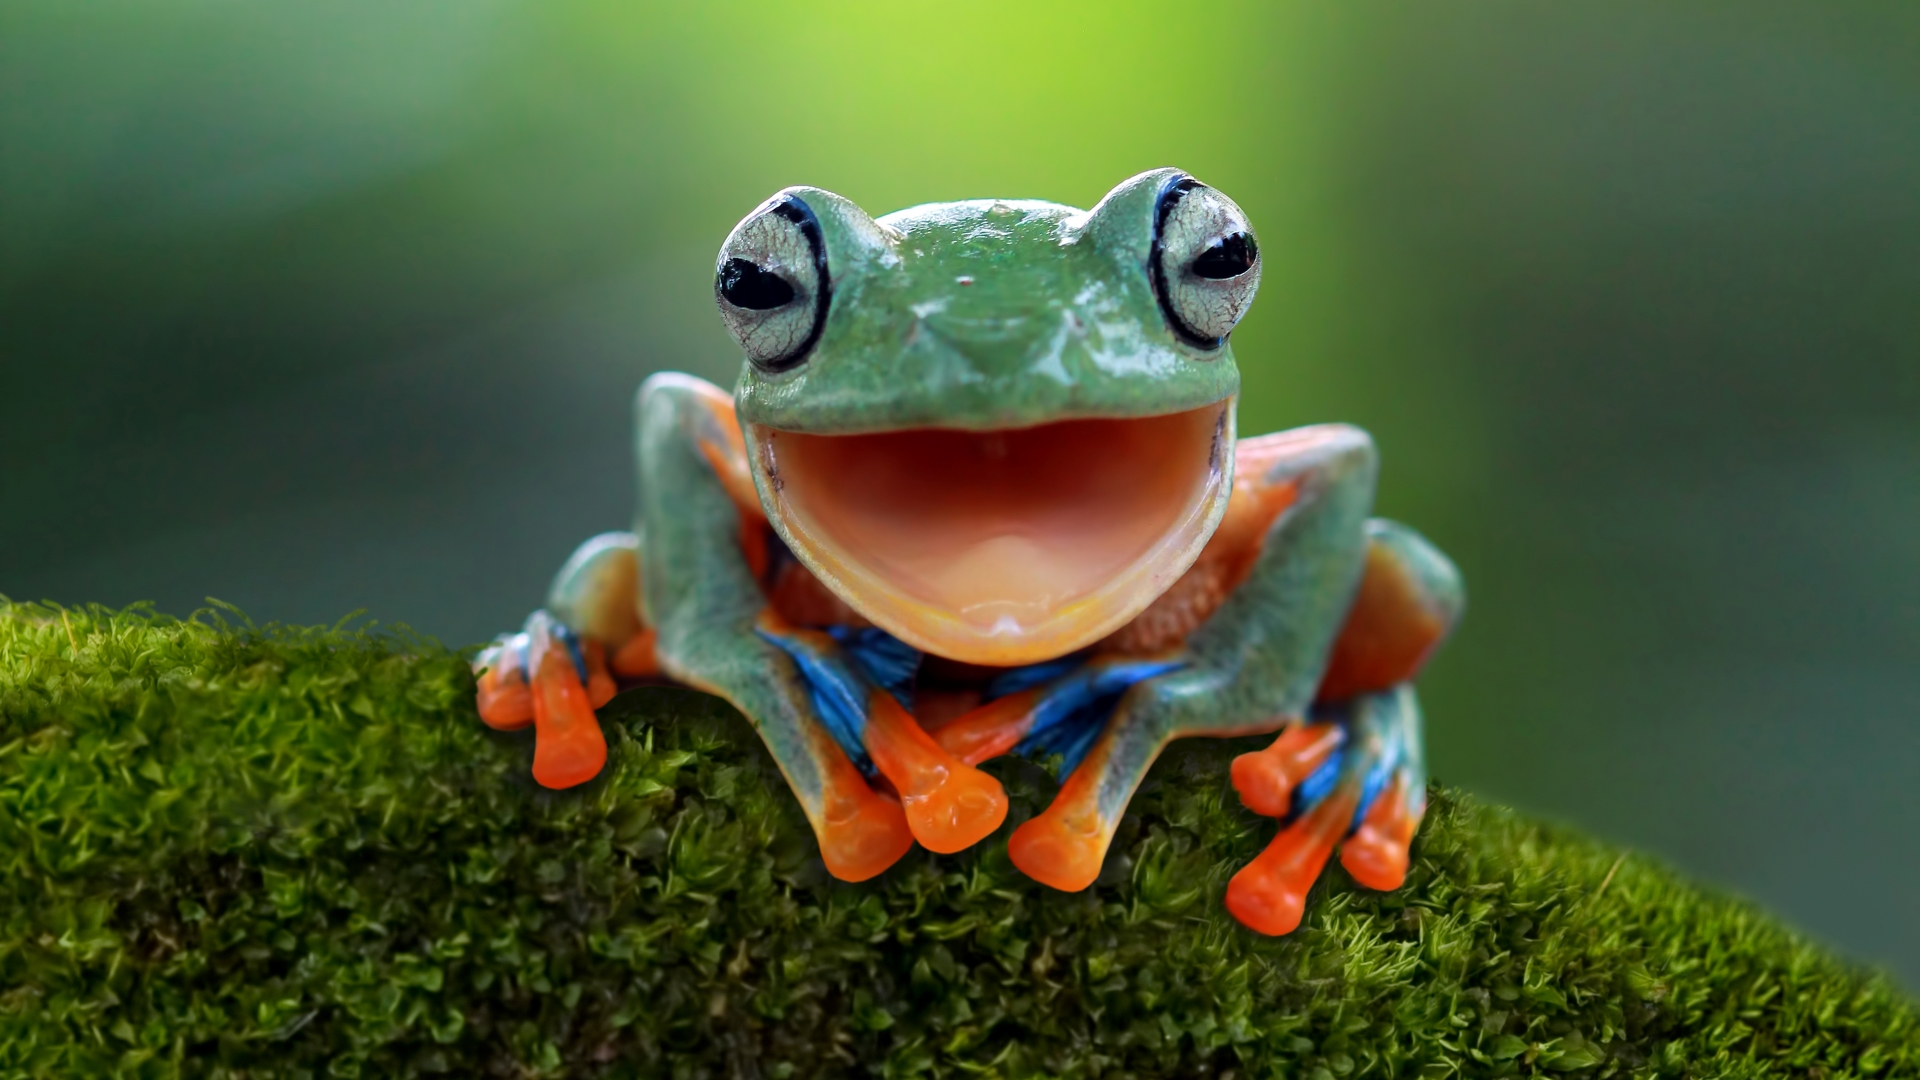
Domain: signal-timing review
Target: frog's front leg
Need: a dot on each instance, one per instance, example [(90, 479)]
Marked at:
[(827, 704), (1253, 663), (704, 563), (1258, 662)]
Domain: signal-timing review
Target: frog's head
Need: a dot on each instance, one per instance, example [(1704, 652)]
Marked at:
[(997, 429)]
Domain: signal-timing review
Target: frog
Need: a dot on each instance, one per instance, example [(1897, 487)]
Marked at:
[(978, 491)]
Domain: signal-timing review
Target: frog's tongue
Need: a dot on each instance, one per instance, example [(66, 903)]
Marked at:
[(1002, 547)]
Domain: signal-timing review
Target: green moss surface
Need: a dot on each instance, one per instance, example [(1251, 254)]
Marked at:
[(280, 852)]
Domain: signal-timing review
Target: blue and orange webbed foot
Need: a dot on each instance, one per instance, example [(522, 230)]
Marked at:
[(1063, 708), (548, 677), (856, 678), (1352, 777)]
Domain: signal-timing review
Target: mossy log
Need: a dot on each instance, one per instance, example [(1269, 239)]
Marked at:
[(231, 851)]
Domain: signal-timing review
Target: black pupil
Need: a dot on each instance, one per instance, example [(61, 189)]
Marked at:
[(1228, 258), (753, 287)]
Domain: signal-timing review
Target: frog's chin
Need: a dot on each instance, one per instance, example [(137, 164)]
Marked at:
[(1001, 547)]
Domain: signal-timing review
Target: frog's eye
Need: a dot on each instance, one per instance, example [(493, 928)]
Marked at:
[(1204, 261), (771, 284)]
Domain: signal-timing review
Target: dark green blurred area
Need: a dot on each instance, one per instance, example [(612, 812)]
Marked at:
[(322, 306)]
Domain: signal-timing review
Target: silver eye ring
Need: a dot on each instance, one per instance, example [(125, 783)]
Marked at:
[(1204, 262), (771, 284)]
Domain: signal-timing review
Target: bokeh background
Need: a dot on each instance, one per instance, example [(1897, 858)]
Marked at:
[(319, 306)]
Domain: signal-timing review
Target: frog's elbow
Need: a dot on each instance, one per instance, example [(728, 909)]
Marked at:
[(1323, 454), (1345, 446)]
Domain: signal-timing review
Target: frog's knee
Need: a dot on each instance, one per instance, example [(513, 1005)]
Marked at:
[(596, 594), (668, 398), (1435, 580), (671, 389), (1332, 452), (681, 419), (1409, 599)]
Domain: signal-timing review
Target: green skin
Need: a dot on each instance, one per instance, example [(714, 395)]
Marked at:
[(1059, 320)]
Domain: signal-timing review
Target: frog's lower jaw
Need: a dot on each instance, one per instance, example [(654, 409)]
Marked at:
[(1001, 547)]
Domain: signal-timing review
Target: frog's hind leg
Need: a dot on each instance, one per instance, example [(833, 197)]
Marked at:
[(554, 673), (1409, 600), (1355, 774), (596, 594)]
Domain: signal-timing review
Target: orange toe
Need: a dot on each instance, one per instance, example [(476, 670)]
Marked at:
[(992, 729), (636, 659), (600, 684), (1065, 845), (569, 748), (1266, 906), (1376, 854), (949, 804), (861, 831), (1266, 778), (505, 704), (1058, 855), (1269, 894)]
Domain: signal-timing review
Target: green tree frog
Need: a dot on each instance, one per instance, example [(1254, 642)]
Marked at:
[(978, 491)]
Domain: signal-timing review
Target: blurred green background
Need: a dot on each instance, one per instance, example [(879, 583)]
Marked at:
[(317, 306)]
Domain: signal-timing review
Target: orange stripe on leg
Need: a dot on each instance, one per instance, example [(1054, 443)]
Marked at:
[(636, 658), (1390, 631), (568, 746), (600, 684), (950, 805), (1269, 894), (1376, 855), (990, 730)]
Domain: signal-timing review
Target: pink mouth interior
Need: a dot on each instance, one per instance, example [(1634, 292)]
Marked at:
[(1003, 530)]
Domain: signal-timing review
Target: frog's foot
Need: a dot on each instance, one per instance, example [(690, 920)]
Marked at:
[(1088, 718), (1365, 786), (1065, 845), (548, 677), (852, 676), (1376, 854)]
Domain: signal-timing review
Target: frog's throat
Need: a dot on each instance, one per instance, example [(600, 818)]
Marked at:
[(1001, 547)]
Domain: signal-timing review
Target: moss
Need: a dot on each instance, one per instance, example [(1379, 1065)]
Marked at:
[(277, 852)]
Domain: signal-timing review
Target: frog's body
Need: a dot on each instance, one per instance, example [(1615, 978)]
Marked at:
[(979, 491)]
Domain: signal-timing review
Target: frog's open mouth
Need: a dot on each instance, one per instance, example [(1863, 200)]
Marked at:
[(1001, 547)]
